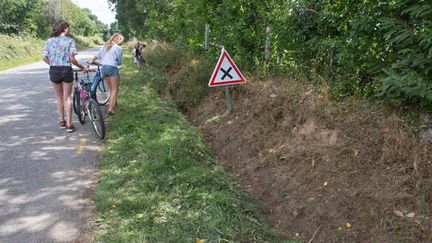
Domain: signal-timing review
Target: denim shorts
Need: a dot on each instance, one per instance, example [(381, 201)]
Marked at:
[(110, 71)]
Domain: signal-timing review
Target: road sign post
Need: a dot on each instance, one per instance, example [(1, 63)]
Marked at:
[(226, 74), (228, 99)]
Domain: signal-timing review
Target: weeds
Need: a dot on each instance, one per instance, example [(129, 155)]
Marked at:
[(179, 74), (19, 50), (15, 51)]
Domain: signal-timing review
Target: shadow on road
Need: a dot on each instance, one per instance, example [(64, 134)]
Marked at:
[(46, 175)]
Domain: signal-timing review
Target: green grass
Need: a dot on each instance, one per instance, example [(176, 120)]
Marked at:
[(185, 74), (16, 51), (85, 42), (19, 50), (158, 181)]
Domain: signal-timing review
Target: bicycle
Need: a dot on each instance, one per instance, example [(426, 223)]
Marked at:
[(85, 103), (99, 88)]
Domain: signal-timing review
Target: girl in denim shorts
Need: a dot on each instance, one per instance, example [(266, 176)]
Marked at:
[(111, 57)]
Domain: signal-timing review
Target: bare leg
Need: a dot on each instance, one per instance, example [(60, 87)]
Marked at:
[(59, 98), (114, 92), (109, 83), (67, 90)]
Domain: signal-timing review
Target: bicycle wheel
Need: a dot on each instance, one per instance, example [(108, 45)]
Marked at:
[(80, 109), (102, 93), (96, 119), (75, 99)]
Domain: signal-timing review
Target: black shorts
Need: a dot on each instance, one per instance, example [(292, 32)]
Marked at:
[(59, 74)]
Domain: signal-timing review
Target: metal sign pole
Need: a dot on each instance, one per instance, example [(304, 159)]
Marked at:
[(228, 99)]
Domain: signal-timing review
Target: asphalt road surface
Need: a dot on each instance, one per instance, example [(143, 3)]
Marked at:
[(46, 174)]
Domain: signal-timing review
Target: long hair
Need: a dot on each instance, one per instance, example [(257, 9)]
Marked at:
[(116, 38), (58, 28)]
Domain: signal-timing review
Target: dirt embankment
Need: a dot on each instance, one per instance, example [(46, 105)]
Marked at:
[(346, 172)]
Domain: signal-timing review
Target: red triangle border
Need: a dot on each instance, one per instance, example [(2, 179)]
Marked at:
[(212, 82)]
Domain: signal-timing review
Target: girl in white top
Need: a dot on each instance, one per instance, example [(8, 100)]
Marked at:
[(111, 57)]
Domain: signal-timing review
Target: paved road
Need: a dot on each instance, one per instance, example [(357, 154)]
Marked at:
[(46, 175)]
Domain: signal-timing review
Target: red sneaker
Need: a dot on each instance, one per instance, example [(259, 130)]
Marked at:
[(70, 128), (62, 124)]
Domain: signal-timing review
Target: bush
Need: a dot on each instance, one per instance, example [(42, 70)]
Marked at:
[(363, 48)]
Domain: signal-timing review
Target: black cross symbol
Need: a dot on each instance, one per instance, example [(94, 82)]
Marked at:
[(226, 73)]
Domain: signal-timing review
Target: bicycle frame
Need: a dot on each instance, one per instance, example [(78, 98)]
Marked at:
[(96, 80), (84, 94), (85, 103)]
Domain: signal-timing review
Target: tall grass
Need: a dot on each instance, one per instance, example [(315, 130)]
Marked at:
[(84, 42), (18, 50), (185, 74)]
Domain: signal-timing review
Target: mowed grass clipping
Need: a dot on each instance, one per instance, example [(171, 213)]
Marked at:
[(159, 183)]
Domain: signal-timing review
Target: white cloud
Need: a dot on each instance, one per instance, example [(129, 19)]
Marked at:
[(100, 8)]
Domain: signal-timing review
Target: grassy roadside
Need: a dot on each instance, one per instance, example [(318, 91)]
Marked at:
[(306, 156), (158, 181), (16, 51)]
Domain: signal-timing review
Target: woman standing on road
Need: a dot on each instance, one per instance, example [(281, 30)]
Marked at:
[(111, 57), (59, 53)]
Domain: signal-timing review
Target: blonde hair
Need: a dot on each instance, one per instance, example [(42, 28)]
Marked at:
[(116, 38)]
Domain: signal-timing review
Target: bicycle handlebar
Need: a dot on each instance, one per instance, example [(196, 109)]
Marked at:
[(94, 63), (79, 70)]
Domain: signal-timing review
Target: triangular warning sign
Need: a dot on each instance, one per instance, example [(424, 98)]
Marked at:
[(226, 72)]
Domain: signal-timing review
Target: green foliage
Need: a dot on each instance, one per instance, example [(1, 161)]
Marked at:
[(24, 22), (187, 77), (18, 15), (369, 47), (409, 35), (159, 182), (35, 17)]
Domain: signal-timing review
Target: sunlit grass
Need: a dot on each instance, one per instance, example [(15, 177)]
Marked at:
[(19, 50), (16, 51), (158, 181)]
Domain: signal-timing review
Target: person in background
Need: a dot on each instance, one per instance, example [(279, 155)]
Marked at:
[(59, 54), (137, 54), (111, 55)]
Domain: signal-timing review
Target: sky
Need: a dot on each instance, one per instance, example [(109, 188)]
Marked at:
[(100, 8)]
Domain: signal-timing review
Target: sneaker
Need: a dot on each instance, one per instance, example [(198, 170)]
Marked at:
[(62, 124), (70, 128), (111, 113)]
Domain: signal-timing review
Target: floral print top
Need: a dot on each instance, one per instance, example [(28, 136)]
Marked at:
[(59, 49)]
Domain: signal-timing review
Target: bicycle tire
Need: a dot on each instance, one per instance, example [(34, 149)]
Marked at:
[(75, 99), (102, 93), (96, 118), (80, 107)]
